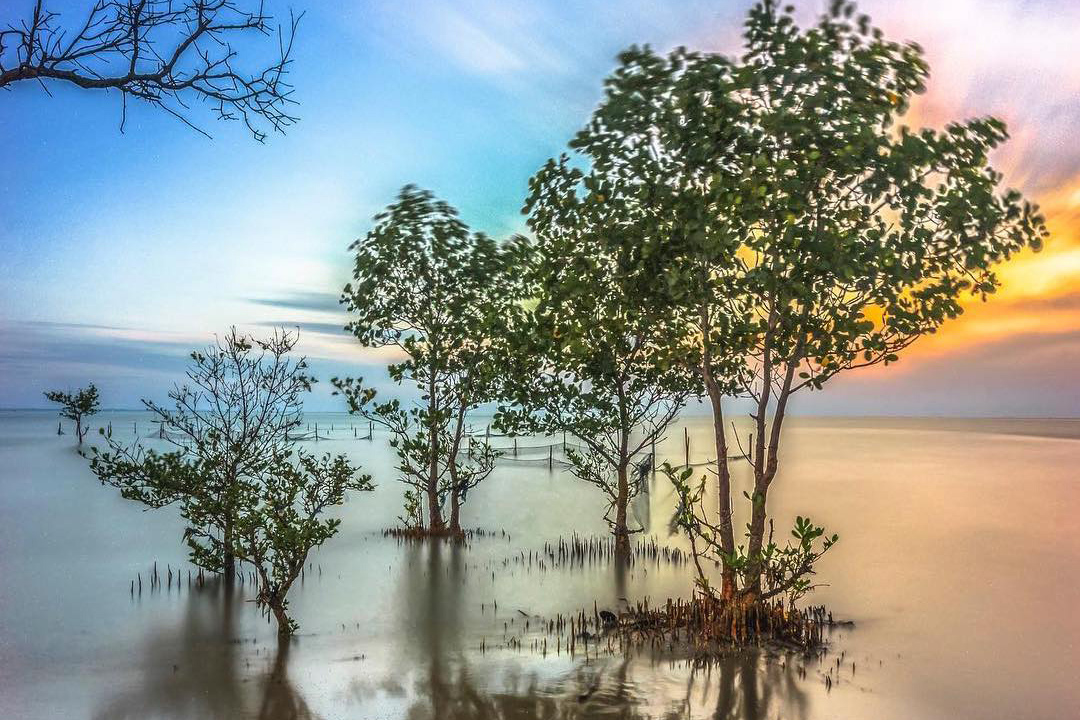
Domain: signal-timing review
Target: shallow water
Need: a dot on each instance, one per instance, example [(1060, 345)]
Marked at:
[(959, 547)]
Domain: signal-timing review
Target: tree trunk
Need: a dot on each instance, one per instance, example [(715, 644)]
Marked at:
[(284, 623), (728, 580), (435, 518), (228, 559), (622, 500), (455, 509), (78, 429), (455, 487), (765, 466)]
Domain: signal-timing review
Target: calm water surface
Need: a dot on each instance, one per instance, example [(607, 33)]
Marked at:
[(960, 543)]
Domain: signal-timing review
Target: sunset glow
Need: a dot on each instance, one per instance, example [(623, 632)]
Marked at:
[(156, 238)]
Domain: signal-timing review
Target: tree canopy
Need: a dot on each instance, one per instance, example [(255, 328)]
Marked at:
[(796, 227), (427, 286), (244, 490), (589, 356)]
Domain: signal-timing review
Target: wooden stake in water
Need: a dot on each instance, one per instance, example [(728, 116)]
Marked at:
[(686, 441)]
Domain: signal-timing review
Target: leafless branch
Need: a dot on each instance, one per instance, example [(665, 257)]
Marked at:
[(163, 52)]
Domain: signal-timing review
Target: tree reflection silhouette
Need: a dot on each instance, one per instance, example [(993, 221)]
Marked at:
[(748, 686), (192, 670)]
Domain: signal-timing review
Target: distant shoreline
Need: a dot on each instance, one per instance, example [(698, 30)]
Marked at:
[(806, 416)]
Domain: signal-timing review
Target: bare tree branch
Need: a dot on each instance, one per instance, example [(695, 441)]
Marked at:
[(163, 52)]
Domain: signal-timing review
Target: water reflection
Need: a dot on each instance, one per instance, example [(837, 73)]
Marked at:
[(752, 687), (201, 668), (460, 683), (280, 700), (395, 630)]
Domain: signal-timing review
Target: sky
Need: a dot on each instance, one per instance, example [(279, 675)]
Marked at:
[(120, 252)]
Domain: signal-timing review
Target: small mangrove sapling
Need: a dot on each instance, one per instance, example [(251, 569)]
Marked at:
[(228, 425), (785, 570), (76, 406)]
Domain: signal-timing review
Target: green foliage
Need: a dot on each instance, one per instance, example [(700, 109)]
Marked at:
[(588, 355), (864, 234), (438, 293), (784, 569), (76, 406), (793, 227), (244, 491), (280, 519)]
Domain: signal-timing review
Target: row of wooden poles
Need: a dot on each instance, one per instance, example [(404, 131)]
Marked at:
[(369, 436), (686, 448), (487, 434), (161, 429)]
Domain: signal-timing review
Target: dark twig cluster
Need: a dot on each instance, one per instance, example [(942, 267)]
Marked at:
[(163, 52)]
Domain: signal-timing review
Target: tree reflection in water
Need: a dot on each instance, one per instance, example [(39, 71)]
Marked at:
[(193, 669), (203, 667), (745, 687)]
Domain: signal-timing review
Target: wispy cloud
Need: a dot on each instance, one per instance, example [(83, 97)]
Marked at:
[(1022, 374), (489, 37), (319, 328), (126, 363), (316, 301)]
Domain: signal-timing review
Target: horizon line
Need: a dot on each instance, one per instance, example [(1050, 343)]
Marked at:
[(693, 414)]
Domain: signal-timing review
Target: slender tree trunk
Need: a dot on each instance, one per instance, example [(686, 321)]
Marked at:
[(275, 598), (728, 580), (455, 512), (622, 500), (455, 489), (228, 530), (78, 429), (228, 559), (284, 623), (622, 491), (435, 524), (765, 467)]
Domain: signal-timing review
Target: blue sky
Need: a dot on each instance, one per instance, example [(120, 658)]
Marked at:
[(123, 251)]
